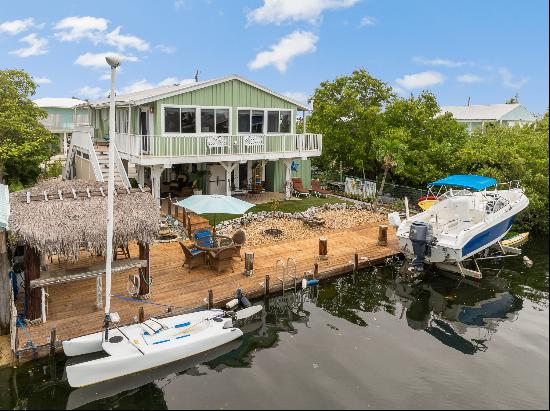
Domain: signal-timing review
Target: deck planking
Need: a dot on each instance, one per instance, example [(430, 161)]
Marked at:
[(72, 306)]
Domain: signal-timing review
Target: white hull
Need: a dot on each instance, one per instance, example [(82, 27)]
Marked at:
[(462, 227)]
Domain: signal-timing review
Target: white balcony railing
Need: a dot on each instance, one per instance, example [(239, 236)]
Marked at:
[(147, 146), (55, 122)]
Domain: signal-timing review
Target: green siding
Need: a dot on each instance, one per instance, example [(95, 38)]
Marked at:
[(232, 93), (275, 174)]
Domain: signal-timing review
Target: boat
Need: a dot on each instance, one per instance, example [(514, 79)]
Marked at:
[(471, 214), (153, 343)]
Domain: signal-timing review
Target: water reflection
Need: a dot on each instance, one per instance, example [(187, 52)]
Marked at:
[(461, 315)]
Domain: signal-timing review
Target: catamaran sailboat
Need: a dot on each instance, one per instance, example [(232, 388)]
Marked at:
[(465, 219)]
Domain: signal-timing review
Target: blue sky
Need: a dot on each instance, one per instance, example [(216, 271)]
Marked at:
[(486, 50)]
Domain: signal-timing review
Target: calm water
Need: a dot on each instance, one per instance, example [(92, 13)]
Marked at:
[(371, 340)]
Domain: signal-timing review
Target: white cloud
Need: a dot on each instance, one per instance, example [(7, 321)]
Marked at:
[(438, 62), (420, 80), (178, 4), (37, 46), (42, 80), (165, 49), (121, 41), (15, 27), (91, 92), (508, 80), (97, 60), (75, 28), (367, 21), (143, 84), (279, 11), (469, 78), (298, 96), (280, 55)]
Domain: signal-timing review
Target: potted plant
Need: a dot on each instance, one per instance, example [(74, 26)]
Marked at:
[(199, 183)]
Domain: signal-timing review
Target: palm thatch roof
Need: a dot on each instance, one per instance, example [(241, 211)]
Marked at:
[(61, 217)]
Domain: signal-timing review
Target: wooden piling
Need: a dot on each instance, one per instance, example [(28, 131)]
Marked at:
[(141, 315), (383, 235), (53, 338), (323, 248), (169, 210), (266, 288), (356, 264), (248, 263), (316, 270), (210, 299)]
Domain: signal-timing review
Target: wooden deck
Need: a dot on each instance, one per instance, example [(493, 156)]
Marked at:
[(72, 310)]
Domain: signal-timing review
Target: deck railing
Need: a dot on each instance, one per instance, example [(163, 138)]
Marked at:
[(55, 122), (218, 145)]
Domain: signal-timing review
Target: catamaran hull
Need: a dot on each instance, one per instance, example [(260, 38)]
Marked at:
[(115, 366)]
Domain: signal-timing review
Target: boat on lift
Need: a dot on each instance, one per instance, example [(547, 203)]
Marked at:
[(471, 214)]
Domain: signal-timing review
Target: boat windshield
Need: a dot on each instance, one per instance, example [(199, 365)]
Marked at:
[(454, 193)]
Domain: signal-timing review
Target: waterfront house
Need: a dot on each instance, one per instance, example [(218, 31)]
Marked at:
[(478, 115), (63, 118), (220, 136)]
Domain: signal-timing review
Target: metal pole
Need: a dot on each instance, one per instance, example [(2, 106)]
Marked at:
[(110, 194)]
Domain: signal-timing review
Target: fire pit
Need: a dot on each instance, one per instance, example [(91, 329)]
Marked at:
[(273, 232)]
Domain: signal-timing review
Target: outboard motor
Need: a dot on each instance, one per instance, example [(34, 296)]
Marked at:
[(420, 234)]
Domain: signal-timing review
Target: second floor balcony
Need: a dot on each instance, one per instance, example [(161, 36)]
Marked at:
[(152, 149)]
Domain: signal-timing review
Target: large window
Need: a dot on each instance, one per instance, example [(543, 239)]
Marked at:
[(251, 121), (279, 121), (187, 120), (207, 121), (222, 121), (171, 120)]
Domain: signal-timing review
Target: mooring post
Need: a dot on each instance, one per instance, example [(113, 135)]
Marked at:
[(53, 337), (248, 263), (323, 248), (356, 265), (141, 315), (169, 199), (266, 288), (210, 299), (383, 235), (315, 270)]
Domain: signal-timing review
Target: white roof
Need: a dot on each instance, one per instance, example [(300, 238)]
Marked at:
[(152, 94), (58, 102), (481, 111)]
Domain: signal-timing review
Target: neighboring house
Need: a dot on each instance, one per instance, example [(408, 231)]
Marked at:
[(225, 135), (63, 118), (477, 115)]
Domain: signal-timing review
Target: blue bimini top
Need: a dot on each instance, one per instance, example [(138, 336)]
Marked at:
[(466, 181)]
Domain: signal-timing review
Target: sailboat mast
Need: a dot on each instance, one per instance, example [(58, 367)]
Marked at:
[(114, 63)]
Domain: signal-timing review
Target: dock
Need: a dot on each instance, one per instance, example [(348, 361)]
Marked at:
[(72, 309)]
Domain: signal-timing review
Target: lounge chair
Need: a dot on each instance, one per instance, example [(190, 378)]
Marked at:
[(239, 239), (222, 258), (193, 256), (318, 190), (298, 188)]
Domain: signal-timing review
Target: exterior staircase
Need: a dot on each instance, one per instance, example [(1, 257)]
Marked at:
[(102, 154)]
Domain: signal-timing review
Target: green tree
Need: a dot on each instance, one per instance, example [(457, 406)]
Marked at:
[(347, 112), (513, 153), (24, 142)]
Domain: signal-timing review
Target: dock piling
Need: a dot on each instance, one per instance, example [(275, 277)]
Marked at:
[(141, 314), (53, 337), (323, 248), (383, 235), (356, 265), (266, 288), (210, 299)]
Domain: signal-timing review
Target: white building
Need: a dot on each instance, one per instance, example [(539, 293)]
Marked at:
[(475, 116)]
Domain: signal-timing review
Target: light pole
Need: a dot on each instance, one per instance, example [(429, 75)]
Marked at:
[(114, 62)]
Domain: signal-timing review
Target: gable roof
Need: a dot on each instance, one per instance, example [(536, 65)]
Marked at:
[(157, 93), (58, 102), (487, 112)]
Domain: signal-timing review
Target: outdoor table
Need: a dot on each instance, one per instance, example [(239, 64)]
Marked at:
[(213, 243)]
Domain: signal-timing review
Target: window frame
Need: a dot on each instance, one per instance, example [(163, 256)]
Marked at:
[(198, 125), (266, 110)]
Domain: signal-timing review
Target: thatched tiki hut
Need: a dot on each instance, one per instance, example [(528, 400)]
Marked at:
[(64, 218)]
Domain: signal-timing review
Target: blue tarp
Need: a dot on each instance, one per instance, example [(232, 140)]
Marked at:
[(467, 181)]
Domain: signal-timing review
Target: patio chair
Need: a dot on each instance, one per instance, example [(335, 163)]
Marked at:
[(201, 234), (318, 190), (193, 256), (298, 188), (238, 240), (222, 259)]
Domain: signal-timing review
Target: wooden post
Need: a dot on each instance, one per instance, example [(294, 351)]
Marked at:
[(53, 337), (266, 288), (210, 299), (5, 285), (248, 263), (356, 265), (316, 270), (145, 272), (189, 226), (32, 272), (141, 315), (323, 248), (383, 235), (169, 210)]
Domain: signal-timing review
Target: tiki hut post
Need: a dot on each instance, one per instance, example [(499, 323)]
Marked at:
[(145, 272), (32, 272), (5, 285)]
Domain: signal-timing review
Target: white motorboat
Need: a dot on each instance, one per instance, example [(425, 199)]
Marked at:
[(155, 342), (466, 219)]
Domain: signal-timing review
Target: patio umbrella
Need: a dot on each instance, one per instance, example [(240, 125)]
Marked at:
[(214, 204)]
